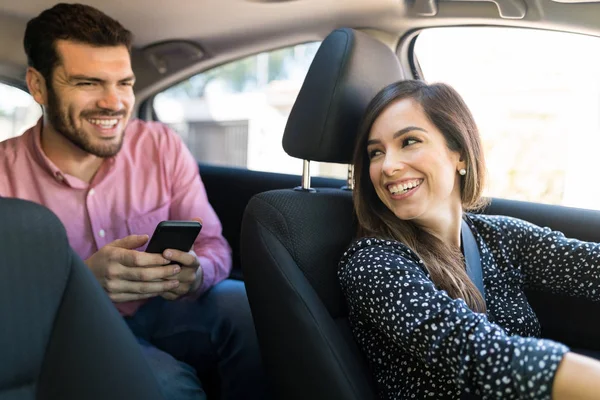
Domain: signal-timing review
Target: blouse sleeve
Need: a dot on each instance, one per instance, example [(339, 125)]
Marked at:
[(387, 287), (552, 262)]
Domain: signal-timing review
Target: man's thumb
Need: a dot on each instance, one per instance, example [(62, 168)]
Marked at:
[(130, 242)]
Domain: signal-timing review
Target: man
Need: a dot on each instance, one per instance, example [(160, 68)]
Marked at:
[(111, 180)]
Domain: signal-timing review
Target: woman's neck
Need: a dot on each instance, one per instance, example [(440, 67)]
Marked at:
[(447, 227)]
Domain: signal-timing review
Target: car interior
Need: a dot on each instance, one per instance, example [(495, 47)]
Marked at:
[(268, 95)]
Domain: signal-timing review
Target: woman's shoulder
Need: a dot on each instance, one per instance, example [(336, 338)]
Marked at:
[(500, 223), (376, 249), (369, 262)]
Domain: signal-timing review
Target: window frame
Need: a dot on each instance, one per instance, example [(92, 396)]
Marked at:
[(146, 109)]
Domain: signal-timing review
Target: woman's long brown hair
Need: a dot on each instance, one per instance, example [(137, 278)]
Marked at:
[(448, 112)]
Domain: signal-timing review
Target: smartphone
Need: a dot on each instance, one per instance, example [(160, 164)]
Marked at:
[(177, 235)]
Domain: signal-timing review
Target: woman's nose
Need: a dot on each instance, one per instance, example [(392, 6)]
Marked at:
[(392, 164)]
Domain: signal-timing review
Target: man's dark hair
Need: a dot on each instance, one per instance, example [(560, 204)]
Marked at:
[(75, 22)]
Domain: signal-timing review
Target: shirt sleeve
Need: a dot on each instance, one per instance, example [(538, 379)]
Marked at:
[(555, 263), (387, 287), (189, 200)]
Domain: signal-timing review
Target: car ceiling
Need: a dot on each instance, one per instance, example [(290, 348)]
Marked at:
[(229, 29)]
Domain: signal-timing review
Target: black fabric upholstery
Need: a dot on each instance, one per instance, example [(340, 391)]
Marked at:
[(291, 244), (349, 68), (61, 337), (292, 241), (230, 189)]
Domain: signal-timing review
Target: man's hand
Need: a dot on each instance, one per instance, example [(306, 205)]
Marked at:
[(191, 275), (127, 274)]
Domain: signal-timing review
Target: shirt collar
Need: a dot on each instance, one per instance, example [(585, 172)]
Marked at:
[(50, 167)]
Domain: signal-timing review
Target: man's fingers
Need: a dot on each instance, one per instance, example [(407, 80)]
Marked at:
[(133, 258), (120, 286), (121, 297), (176, 293), (130, 242), (186, 259), (149, 273), (169, 296)]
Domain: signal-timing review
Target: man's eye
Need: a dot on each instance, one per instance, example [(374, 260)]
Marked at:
[(85, 83)]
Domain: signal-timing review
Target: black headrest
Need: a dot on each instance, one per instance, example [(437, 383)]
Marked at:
[(348, 70)]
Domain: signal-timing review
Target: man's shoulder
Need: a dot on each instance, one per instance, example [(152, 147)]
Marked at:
[(151, 133), (137, 127), (13, 147), (154, 143)]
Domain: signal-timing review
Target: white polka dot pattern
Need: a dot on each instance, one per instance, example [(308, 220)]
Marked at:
[(423, 344)]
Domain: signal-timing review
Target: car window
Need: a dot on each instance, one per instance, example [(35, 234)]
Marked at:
[(235, 114), (535, 96), (18, 111)]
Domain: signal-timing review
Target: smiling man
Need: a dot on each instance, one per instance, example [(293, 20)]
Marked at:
[(87, 105), (111, 180)]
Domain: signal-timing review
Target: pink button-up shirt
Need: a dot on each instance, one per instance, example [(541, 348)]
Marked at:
[(153, 178)]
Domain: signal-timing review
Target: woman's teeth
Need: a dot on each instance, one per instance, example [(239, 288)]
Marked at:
[(404, 187)]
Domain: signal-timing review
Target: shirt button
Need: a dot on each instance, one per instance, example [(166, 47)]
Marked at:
[(92, 191), (102, 233), (59, 177)]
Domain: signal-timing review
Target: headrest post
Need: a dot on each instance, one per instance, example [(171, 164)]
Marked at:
[(350, 180), (350, 176), (306, 175), (305, 179)]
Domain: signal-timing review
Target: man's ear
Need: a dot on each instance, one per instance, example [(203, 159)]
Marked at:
[(37, 86)]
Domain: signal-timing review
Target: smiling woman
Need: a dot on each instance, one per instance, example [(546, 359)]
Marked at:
[(416, 140), (409, 278)]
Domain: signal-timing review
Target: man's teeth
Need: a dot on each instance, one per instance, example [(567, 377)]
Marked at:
[(104, 123), (405, 187)]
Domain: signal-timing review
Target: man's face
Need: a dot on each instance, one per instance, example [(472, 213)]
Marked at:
[(90, 96)]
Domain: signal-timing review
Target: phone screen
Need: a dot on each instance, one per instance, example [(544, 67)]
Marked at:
[(177, 235)]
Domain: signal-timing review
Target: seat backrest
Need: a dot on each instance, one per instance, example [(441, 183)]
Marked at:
[(292, 240), (61, 337)]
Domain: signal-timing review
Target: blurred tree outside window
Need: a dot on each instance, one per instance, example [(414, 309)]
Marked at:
[(235, 114)]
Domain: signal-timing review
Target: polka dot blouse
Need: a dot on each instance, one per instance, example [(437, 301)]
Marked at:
[(423, 344)]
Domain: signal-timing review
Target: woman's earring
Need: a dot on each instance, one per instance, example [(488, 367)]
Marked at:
[(462, 171)]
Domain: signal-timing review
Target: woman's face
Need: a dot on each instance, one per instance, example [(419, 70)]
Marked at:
[(413, 171)]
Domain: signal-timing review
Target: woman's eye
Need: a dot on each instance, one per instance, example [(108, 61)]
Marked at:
[(374, 153), (409, 141)]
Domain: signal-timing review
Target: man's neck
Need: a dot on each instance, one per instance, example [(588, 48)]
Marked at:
[(69, 158)]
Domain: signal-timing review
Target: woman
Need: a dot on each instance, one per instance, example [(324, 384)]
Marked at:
[(427, 329)]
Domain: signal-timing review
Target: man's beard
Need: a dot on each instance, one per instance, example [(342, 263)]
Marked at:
[(64, 125)]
